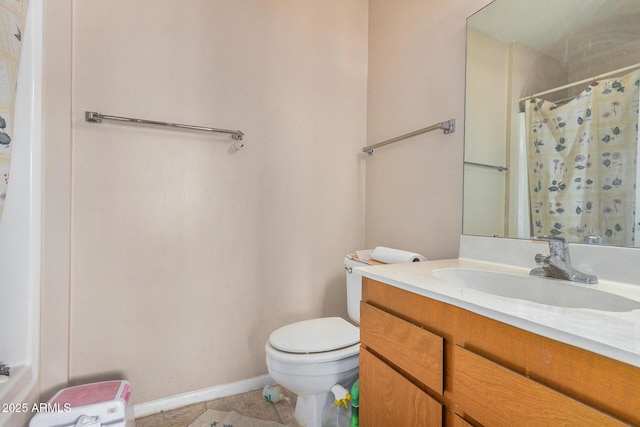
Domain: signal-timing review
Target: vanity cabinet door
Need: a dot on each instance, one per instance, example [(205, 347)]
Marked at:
[(496, 396), (389, 399), (415, 350)]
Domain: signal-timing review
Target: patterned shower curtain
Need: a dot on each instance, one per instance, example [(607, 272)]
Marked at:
[(12, 19), (582, 163)]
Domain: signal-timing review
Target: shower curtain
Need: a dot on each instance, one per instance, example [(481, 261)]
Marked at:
[(582, 162), (12, 19)]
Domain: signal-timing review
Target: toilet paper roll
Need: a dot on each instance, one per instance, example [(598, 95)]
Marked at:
[(395, 256)]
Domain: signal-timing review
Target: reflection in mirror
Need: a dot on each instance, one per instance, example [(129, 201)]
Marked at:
[(551, 120)]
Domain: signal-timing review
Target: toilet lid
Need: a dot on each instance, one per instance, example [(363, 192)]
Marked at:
[(315, 335)]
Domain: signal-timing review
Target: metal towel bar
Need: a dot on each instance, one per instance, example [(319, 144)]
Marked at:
[(449, 127), (498, 168), (94, 117)]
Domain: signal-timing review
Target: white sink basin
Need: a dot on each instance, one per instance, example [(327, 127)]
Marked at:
[(553, 292)]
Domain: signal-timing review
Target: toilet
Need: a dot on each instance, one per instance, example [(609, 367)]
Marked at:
[(311, 356)]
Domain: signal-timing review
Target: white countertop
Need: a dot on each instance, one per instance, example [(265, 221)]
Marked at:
[(612, 334)]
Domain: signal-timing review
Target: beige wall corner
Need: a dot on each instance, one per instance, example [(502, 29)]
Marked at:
[(54, 337), (416, 79)]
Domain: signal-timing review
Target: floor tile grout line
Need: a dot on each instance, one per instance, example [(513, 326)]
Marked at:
[(247, 404)]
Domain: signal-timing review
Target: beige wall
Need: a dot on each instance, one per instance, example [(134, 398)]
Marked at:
[(170, 257), (416, 78), (56, 204)]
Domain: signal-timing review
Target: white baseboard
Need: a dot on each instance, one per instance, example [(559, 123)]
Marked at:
[(215, 392)]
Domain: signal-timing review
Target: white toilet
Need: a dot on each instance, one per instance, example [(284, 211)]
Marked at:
[(311, 356)]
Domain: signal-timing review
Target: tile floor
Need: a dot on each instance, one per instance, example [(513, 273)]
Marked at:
[(250, 404)]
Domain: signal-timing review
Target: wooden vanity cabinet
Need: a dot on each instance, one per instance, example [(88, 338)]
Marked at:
[(427, 363)]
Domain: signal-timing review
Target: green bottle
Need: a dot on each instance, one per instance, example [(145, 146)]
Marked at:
[(355, 403)]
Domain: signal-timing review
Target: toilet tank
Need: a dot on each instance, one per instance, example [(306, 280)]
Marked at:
[(354, 288)]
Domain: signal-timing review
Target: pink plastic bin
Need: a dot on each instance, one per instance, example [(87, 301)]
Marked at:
[(110, 401)]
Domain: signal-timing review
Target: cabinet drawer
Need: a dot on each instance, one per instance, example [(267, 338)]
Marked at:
[(458, 421), (389, 399), (496, 396), (416, 351)]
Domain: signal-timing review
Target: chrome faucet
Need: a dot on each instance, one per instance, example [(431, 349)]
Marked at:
[(558, 264)]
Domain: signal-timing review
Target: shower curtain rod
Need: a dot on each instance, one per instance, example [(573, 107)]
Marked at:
[(94, 117), (589, 80)]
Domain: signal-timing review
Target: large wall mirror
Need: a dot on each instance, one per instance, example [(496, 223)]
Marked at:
[(551, 121)]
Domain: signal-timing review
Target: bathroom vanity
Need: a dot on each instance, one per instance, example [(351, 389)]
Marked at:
[(433, 355), (476, 341)]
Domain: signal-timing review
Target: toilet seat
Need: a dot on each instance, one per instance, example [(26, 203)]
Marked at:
[(315, 336), (301, 360)]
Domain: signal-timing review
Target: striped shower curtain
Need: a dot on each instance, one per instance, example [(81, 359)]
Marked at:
[(582, 163), (12, 19)]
